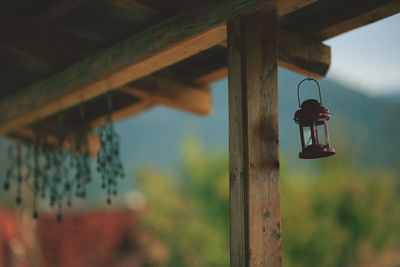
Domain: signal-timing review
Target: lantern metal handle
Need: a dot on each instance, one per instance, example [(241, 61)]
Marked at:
[(298, 89)]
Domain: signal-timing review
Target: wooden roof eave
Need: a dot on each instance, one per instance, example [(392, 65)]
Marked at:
[(152, 49)]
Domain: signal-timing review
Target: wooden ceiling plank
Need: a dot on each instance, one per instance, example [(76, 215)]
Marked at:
[(165, 92), (58, 10), (340, 23), (288, 6), (63, 7), (137, 8), (152, 49), (43, 42)]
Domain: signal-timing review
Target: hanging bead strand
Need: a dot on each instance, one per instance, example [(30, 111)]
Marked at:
[(109, 164)]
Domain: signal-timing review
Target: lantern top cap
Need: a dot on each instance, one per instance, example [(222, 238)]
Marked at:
[(298, 89)]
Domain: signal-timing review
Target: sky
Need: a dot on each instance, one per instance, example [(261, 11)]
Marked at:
[(368, 58)]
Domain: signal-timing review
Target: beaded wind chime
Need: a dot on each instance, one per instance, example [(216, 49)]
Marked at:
[(57, 175)]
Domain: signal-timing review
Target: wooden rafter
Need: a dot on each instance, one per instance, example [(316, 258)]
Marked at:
[(311, 58), (308, 57), (361, 15), (124, 113), (285, 7), (326, 19), (171, 94)]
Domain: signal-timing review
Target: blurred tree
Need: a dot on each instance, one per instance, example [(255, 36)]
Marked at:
[(189, 212), (330, 218), (334, 219)]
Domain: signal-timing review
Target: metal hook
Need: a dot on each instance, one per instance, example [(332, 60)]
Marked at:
[(298, 89)]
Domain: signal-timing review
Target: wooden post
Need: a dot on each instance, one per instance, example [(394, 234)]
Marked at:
[(253, 140)]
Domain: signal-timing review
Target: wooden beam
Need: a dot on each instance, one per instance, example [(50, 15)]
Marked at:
[(355, 15), (305, 56), (288, 6), (124, 113), (148, 51), (212, 76), (339, 16), (253, 141), (296, 53), (172, 94), (179, 6)]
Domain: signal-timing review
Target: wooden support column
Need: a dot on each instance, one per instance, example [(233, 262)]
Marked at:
[(253, 141)]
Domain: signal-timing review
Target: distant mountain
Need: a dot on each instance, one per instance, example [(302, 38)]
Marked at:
[(393, 96), (362, 127)]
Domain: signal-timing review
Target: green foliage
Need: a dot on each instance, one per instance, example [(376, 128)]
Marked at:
[(189, 211), (329, 218)]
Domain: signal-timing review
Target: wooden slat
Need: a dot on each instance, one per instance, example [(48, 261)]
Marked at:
[(148, 51), (253, 142), (172, 94)]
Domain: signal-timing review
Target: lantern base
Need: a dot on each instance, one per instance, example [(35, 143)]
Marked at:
[(316, 152)]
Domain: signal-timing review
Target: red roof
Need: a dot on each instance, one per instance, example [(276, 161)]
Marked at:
[(94, 239), (9, 235)]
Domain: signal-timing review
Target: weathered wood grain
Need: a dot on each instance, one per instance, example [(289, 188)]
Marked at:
[(254, 141), (238, 149)]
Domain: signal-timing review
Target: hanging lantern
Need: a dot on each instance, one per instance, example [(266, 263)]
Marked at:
[(312, 118)]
